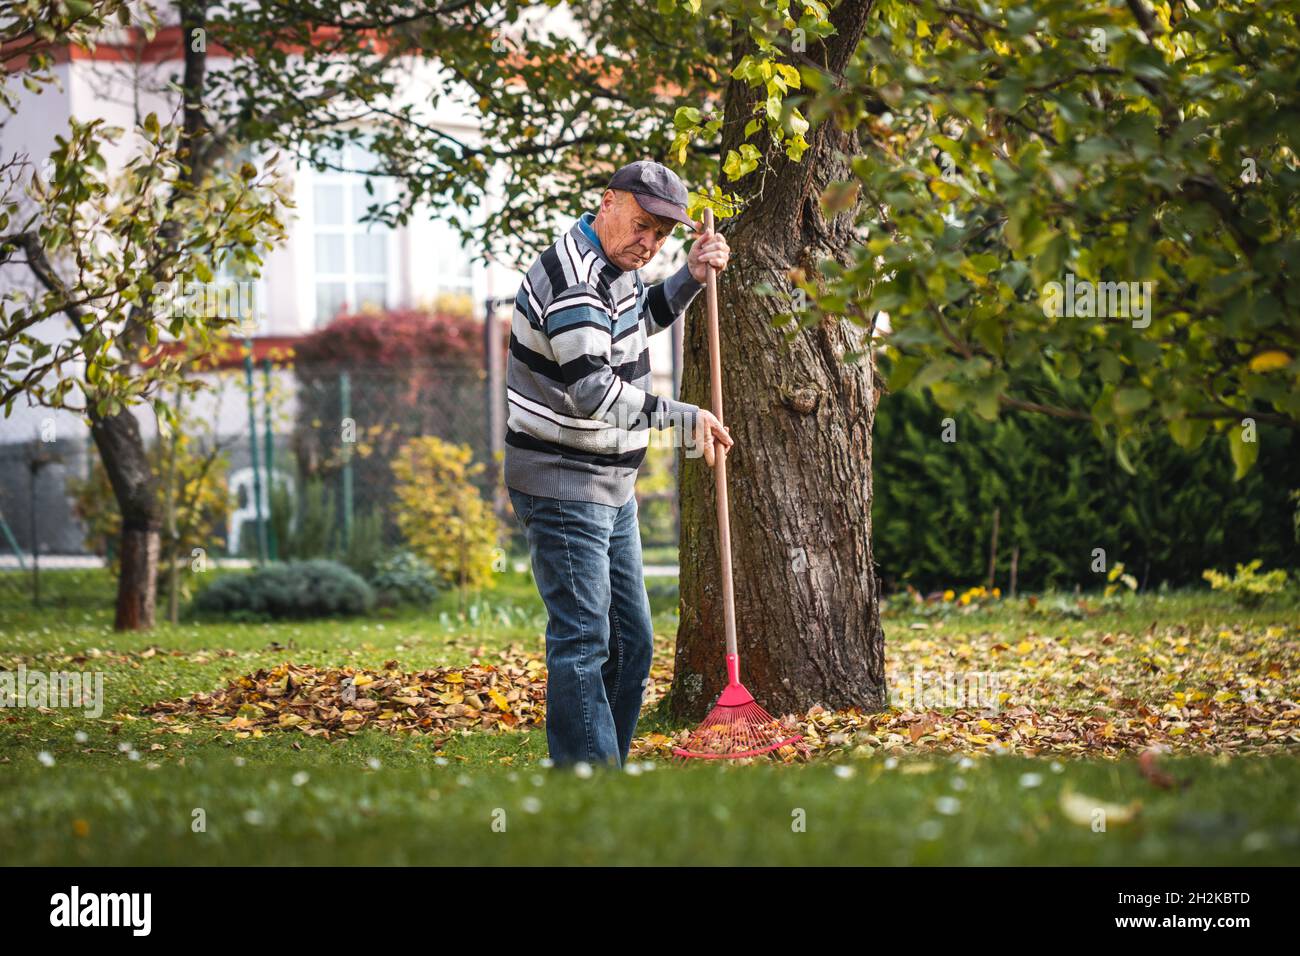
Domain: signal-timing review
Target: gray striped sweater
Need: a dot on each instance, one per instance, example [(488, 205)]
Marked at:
[(578, 376)]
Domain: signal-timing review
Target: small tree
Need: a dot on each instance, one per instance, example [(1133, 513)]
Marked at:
[(190, 467), (108, 254), (442, 514)]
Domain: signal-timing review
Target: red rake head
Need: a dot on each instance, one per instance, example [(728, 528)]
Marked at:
[(736, 727)]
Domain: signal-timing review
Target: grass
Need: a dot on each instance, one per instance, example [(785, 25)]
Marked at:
[(487, 798), (258, 813)]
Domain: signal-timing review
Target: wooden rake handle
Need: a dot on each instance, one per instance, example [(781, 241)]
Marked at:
[(720, 461)]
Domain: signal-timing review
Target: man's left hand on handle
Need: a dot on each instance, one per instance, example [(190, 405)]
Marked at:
[(710, 249)]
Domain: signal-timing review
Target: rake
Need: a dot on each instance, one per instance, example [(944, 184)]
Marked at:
[(736, 726)]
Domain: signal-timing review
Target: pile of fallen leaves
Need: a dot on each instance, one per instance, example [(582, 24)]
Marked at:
[(326, 702), (1209, 727), (1177, 688)]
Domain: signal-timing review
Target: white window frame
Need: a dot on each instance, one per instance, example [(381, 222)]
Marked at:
[(347, 229)]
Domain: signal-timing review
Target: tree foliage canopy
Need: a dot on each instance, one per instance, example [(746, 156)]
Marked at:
[(1032, 166)]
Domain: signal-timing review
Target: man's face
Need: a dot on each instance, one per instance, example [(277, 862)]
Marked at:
[(632, 236)]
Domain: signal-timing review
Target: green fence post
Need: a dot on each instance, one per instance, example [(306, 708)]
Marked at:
[(252, 448), (345, 407), (272, 546)]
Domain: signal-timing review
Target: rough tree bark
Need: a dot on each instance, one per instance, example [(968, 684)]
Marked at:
[(799, 476), (122, 451)]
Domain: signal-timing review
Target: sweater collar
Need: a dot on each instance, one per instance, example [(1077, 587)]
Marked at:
[(584, 233)]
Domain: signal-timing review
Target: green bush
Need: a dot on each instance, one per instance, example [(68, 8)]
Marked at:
[(404, 578), (298, 589), (307, 528), (1059, 494), (310, 533), (366, 547)]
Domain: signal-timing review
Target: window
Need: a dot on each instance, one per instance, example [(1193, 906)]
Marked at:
[(451, 259), (354, 262)]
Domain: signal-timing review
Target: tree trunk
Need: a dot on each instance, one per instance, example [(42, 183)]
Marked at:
[(123, 453), (799, 476)]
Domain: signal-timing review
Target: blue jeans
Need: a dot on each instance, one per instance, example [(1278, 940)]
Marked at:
[(586, 561)]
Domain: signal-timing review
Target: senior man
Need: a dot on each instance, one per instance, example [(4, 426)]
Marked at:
[(581, 411)]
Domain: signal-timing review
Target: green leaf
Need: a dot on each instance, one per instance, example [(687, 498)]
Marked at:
[(1243, 452), (938, 369), (1121, 455), (1109, 368), (1188, 433), (686, 117), (1130, 401)]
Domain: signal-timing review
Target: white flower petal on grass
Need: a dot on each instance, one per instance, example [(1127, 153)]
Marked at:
[(1255, 841), (582, 769), (300, 778), (929, 830), (373, 763), (530, 805), (46, 758), (1030, 779), (948, 806), (844, 771), (81, 736), (958, 783), (254, 817), (891, 763), (1057, 766)]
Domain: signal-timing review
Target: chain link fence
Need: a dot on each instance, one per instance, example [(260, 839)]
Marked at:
[(331, 448)]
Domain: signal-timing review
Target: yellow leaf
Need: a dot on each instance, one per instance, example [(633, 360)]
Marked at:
[(1269, 361), (945, 191), (1084, 810)]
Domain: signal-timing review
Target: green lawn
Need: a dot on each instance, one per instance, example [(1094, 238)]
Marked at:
[(116, 790)]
